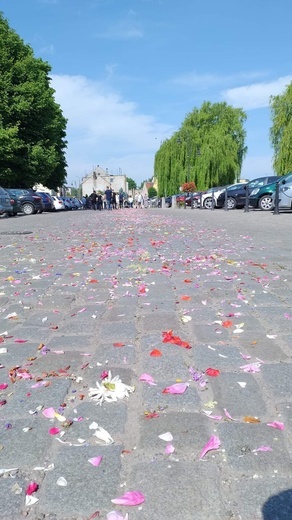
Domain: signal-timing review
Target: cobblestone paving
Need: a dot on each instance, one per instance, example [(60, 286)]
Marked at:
[(84, 293)]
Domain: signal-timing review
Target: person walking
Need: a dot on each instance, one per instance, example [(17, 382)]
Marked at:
[(99, 201), (108, 198), (114, 201), (130, 201), (93, 197), (121, 199), (140, 201)]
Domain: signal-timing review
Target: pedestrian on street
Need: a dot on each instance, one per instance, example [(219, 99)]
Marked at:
[(121, 199), (93, 197), (108, 198), (99, 201), (140, 201), (130, 201)]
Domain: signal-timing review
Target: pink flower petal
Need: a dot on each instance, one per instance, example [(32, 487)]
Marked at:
[(54, 431), (178, 388), (147, 378), (95, 461), (49, 413), (31, 488), (20, 340), (263, 448), (3, 386), (229, 416), (169, 449), (276, 424), (213, 444), (130, 498)]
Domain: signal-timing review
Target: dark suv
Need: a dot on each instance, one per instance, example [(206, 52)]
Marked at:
[(30, 202), (236, 194)]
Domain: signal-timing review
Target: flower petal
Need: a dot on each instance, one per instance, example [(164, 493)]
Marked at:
[(166, 437), (115, 515), (147, 378), (95, 461), (49, 413), (54, 431), (276, 424), (213, 444), (169, 449), (31, 488), (130, 498), (178, 388)]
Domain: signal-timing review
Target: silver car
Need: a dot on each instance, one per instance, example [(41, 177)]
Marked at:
[(285, 194), (5, 204)]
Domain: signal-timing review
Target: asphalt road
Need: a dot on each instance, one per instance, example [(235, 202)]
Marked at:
[(198, 303)]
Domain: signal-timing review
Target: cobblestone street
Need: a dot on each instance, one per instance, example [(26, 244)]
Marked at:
[(193, 311)]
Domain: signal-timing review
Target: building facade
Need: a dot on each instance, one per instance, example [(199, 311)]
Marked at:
[(100, 179)]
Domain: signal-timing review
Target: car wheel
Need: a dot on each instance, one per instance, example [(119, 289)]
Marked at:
[(266, 203), (40, 211), (208, 203), (231, 203), (195, 204), (28, 209)]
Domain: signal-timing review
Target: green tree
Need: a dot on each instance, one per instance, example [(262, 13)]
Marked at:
[(131, 183), (208, 149), (152, 192), (281, 131), (32, 126)]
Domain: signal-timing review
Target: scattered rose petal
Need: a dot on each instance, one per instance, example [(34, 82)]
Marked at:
[(49, 413), (95, 461), (263, 448), (276, 424), (147, 378), (213, 372), (155, 353), (54, 431), (115, 515), (169, 449), (249, 419), (130, 498), (31, 488), (213, 444), (178, 388), (118, 344)]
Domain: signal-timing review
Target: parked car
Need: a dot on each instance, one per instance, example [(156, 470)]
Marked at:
[(262, 197), (285, 194), (30, 202), (16, 206), (47, 201), (236, 194), (58, 203), (206, 197), (5, 203)]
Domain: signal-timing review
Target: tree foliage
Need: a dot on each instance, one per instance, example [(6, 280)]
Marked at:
[(281, 131), (208, 149), (131, 183), (152, 192), (32, 126)]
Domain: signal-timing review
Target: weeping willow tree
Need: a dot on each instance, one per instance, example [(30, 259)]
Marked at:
[(281, 131), (208, 149)]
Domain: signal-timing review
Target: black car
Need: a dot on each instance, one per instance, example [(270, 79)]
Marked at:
[(47, 201), (29, 201), (236, 194)]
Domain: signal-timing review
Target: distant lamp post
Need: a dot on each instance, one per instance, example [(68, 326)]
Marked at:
[(79, 187)]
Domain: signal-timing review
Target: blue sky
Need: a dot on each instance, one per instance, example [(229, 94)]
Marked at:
[(126, 72)]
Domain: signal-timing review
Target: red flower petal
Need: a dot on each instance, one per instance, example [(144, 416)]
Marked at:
[(31, 488), (155, 353), (118, 344), (227, 324), (212, 372)]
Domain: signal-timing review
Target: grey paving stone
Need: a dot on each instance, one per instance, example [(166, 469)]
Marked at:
[(278, 379), (238, 401), (25, 450), (172, 365), (160, 321), (239, 440), (265, 498), (109, 355), (118, 332), (221, 357), (98, 484), (12, 503), (191, 496), (85, 343)]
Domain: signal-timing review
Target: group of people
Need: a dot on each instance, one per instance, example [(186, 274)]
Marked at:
[(111, 200)]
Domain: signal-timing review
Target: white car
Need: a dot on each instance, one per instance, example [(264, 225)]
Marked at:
[(207, 197), (58, 202)]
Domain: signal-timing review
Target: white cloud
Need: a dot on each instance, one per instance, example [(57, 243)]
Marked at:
[(47, 49), (206, 81), (105, 129), (257, 95)]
